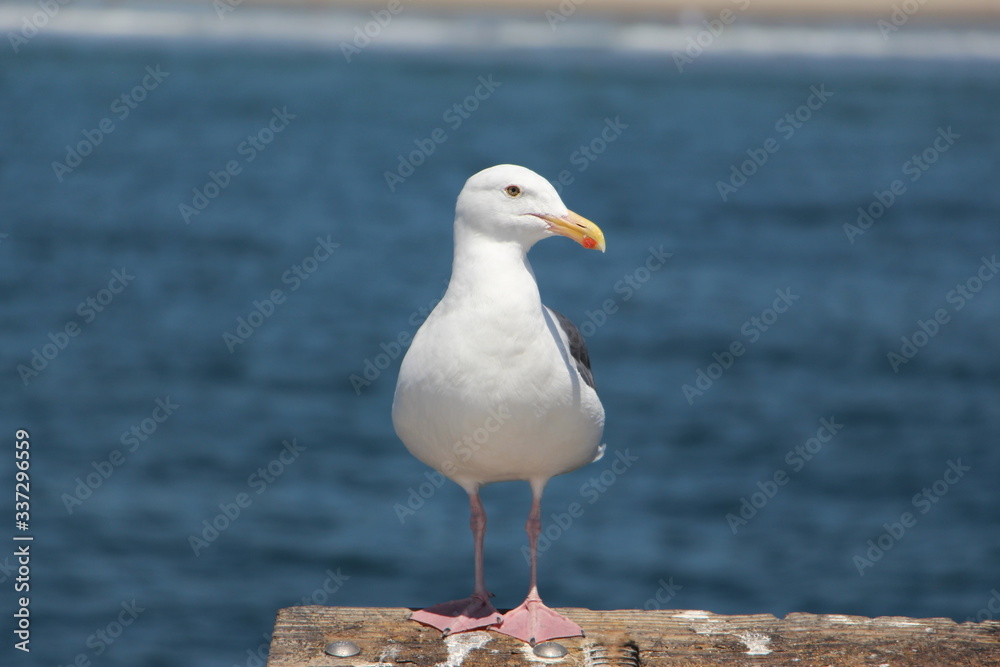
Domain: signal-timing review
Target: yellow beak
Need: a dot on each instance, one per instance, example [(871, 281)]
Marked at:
[(578, 228)]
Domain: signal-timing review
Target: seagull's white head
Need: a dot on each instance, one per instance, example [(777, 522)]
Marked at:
[(509, 203)]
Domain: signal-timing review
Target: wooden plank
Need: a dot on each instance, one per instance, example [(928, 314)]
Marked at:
[(633, 638)]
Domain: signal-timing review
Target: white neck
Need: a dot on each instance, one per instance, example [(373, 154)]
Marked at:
[(496, 273)]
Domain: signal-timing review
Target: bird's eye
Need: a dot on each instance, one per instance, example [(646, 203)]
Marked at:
[(513, 191)]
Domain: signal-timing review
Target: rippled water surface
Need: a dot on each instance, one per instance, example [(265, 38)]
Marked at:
[(759, 435)]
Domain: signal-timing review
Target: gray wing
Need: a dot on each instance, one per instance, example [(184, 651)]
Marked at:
[(577, 348)]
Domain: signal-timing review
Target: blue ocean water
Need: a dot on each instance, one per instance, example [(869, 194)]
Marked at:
[(208, 280)]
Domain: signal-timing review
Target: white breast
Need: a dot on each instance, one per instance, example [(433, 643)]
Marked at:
[(487, 392)]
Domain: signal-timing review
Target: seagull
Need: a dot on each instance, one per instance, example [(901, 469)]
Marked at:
[(496, 386)]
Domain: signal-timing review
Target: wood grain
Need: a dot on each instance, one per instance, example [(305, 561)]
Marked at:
[(634, 638)]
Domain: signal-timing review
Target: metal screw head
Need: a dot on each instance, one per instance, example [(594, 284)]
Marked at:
[(342, 649), (550, 650)]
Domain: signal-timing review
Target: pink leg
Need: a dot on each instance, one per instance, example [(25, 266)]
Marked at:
[(473, 612), (532, 621)]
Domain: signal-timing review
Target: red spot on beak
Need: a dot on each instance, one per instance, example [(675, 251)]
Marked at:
[(589, 243)]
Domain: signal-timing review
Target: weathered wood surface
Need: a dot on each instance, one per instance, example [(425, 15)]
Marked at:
[(633, 638)]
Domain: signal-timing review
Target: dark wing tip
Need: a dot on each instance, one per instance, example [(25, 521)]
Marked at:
[(577, 348)]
